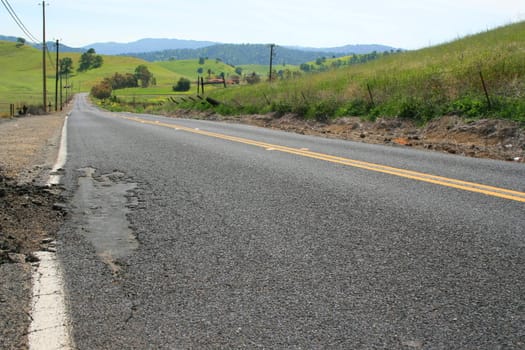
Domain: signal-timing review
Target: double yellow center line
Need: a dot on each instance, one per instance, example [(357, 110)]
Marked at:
[(413, 175)]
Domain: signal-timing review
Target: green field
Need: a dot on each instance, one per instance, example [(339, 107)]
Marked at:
[(189, 68), (21, 72), (263, 70)]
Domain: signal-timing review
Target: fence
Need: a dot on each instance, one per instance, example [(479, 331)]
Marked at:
[(7, 109)]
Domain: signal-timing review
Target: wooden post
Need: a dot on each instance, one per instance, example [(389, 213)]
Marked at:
[(61, 89), (267, 99), (485, 89), (56, 76), (370, 94), (271, 62), (202, 85)]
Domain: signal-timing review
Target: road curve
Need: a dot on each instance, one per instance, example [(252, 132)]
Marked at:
[(195, 234)]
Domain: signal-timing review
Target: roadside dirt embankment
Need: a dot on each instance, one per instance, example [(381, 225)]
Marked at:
[(30, 215), (484, 138)]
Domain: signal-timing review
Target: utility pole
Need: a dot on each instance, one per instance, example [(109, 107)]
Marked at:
[(56, 81), (66, 87), (61, 88), (44, 54), (271, 60)]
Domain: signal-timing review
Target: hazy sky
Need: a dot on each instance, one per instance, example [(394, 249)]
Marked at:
[(408, 24)]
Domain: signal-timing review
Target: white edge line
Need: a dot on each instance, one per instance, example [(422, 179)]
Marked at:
[(54, 176), (50, 328)]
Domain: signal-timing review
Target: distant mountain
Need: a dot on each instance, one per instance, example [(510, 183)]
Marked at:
[(238, 54), (146, 45), (234, 54), (8, 38), (50, 44), (349, 49)]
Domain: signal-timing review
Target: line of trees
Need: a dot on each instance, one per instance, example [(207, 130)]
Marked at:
[(142, 77)]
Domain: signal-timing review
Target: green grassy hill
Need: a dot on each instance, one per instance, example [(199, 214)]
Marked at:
[(189, 68), (21, 72), (421, 84)]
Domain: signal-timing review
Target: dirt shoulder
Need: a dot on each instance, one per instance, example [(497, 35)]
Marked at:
[(29, 216), (485, 138)]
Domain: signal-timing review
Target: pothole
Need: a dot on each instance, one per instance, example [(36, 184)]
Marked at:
[(102, 203)]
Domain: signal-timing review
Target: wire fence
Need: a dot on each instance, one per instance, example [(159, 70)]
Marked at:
[(6, 109), (26, 106)]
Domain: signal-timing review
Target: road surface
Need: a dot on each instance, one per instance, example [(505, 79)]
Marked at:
[(194, 234)]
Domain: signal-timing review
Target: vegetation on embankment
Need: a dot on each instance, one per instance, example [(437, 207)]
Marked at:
[(481, 75), (440, 80)]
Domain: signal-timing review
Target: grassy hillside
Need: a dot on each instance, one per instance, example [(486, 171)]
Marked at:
[(422, 84), (188, 68), (21, 72)]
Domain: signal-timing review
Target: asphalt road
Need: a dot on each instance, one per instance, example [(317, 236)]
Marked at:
[(237, 242)]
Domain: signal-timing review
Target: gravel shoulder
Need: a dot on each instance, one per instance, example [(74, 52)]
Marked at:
[(29, 218)]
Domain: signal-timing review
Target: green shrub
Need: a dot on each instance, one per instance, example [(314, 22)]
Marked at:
[(469, 106), (182, 85), (353, 108), (101, 91), (323, 110)]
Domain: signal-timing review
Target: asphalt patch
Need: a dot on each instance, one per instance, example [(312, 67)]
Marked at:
[(101, 204)]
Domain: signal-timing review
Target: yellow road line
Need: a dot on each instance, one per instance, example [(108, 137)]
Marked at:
[(409, 174)]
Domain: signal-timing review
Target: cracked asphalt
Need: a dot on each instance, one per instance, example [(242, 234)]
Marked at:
[(246, 247)]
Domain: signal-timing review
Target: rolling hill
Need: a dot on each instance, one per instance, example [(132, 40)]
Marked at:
[(479, 75), (146, 45), (21, 72), (244, 54), (236, 54)]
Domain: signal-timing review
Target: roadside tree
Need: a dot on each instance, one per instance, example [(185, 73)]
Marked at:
[(90, 60), (20, 42), (143, 75), (66, 65)]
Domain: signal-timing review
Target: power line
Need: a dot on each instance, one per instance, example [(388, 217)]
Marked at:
[(18, 21), (51, 62), (26, 31)]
